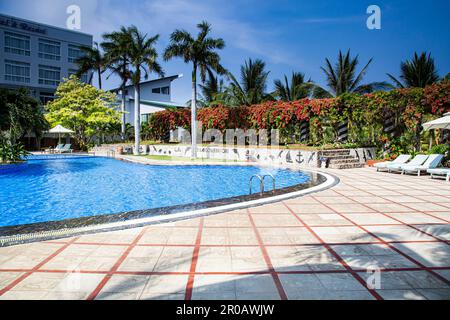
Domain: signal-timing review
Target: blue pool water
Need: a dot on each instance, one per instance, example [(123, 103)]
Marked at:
[(49, 190)]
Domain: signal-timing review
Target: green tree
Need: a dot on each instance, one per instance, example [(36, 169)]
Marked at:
[(343, 78), (115, 46), (20, 114), (251, 89), (418, 72), (201, 53), (142, 57), (295, 90), (86, 110), (92, 59)]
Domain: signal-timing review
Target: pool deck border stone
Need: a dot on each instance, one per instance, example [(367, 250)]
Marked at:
[(52, 230)]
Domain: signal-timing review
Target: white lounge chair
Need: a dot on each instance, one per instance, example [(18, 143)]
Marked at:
[(55, 149), (65, 149), (401, 159), (432, 162), (417, 161), (440, 172)]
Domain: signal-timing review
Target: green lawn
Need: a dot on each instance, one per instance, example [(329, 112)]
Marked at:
[(170, 158)]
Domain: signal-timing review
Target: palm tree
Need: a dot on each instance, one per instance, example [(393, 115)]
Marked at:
[(142, 57), (116, 55), (296, 90), (251, 89), (342, 78), (211, 92), (212, 89), (201, 53), (418, 72), (92, 59)]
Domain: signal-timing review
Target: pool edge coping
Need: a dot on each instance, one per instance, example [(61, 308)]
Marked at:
[(47, 235)]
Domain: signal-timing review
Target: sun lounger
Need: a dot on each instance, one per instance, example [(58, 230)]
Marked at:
[(65, 149), (417, 161), (57, 148), (432, 162), (401, 159), (440, 172)]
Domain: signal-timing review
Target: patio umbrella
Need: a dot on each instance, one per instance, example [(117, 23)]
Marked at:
[(441, 123), (59, 129)]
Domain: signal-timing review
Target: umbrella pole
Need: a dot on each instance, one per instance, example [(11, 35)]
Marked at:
[(431, 141)]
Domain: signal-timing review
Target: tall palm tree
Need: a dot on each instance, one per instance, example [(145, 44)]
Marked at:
[(212, 88), (342, 78), (211, 92), (142, 57), (251, 89), (296, 90), (201, 53), (92, 59), (115, 46), (418, 72)]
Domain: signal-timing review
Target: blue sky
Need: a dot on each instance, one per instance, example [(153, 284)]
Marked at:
[(289, 35)]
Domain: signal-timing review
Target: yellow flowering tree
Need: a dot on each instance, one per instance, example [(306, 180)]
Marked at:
[(86, 110)]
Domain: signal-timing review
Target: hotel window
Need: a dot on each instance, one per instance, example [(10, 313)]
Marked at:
[(46, 97), (49, 75), (83, 78), (163, 90), (17, 43), (50, 50), (17, 71), (74, 53)]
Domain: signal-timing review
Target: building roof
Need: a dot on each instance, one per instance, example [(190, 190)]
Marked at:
[(161, 104), (46, 25), (171, 78)]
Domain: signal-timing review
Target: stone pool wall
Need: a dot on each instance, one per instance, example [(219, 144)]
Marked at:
[(302, 158)]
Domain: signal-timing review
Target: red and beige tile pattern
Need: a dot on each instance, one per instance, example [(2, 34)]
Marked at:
[(314, 247)]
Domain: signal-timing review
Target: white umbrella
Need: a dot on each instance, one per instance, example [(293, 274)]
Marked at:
[(441, 123), (59, 129)]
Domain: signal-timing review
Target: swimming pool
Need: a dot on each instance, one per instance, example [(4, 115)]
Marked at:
[(59, 189)]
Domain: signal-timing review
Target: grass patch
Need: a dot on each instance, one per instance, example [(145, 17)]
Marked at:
[(184, 159)]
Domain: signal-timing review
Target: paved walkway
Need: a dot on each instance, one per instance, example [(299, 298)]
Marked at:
[(315, 247)]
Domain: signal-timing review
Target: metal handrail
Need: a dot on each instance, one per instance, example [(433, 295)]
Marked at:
[(273, 181), (261, 183)]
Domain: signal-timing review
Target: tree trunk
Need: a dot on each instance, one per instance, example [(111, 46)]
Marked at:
[(99, 78), (194, 113), (122, 108), (137, 119)]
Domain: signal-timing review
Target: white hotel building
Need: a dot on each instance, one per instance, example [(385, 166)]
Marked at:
[(155, 96), (38, 56)]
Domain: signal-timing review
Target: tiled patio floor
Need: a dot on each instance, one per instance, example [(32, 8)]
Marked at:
[(315, 247)]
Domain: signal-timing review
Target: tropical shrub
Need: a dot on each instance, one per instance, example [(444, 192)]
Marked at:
[(12, 153), (390, 120)]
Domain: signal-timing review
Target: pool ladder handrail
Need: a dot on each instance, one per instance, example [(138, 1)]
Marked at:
[(261, 182)]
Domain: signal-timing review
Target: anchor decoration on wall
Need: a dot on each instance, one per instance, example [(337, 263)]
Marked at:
[(299, 159)]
